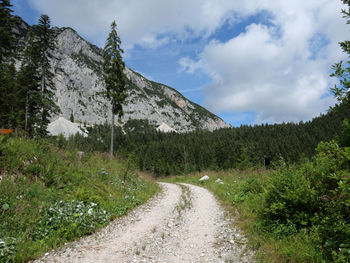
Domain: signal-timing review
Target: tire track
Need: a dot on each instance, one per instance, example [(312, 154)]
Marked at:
[(116, 242), (184, 223)]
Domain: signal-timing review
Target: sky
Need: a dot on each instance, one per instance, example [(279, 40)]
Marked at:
[(249, 62)]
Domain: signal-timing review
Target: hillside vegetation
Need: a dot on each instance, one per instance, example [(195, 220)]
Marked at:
[(293, 213), (49, 196), (240, 148)]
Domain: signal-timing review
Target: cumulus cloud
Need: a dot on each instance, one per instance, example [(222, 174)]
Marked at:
[(148, 22), (280, 71)]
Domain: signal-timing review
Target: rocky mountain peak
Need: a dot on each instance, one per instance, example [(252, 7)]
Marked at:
[(77, 65)]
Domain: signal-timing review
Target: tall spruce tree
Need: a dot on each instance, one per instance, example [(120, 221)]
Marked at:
[(7, 37), (7, 69), (29, 84), (342, 69), (46, 41), (114, 76)]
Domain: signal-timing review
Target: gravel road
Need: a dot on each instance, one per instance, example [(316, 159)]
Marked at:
[(184, 223)]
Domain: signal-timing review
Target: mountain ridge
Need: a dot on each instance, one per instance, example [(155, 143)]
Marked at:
[(78, 78)]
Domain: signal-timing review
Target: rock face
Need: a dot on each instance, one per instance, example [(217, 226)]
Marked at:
[(77, 66)]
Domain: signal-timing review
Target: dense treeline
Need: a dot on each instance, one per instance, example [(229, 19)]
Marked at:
[(241, 147), (26, 78)]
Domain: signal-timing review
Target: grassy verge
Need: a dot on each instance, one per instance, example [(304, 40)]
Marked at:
[(49, 196), (243, 195)]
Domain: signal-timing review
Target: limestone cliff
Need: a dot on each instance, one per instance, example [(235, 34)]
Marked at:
[(77, 66)]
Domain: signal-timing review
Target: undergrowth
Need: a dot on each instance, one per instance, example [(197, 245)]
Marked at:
[(291, 213), (49, 196)]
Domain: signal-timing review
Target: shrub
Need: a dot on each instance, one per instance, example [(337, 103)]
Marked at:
[(333, 223), (315, 196), (290, 200)]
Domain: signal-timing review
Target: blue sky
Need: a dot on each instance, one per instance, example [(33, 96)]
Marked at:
[(248, 62)]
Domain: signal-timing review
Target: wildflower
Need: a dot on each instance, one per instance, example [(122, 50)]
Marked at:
[(90, 211)]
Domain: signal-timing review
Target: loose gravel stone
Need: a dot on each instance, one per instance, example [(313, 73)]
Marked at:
[(184, 223)]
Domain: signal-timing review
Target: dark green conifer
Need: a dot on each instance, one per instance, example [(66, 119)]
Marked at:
[(7, 37), (114, 76), (7, 68), (46, 42), (29, 83)]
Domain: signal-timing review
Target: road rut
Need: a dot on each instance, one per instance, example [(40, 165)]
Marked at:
[(184, 223)]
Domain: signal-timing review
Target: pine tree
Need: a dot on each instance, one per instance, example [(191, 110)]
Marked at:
[(46, 42), (29, 83), (8, 98), (7, 37), (7, 68), (114, 76)]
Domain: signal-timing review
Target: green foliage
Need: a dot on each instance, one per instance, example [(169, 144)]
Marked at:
[(314, 197), (345, 136), (28, 80), (341, 70), (8, 249), (49, 196), (8, 100), (69, 219), (46, 43), (7, 37), (8, 42), (290, 201), (294, 213), (27, 98), (114, 77), (113, 67), (242, 147)]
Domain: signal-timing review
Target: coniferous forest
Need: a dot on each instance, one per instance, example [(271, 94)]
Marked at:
[(242, 147), (297, 209)]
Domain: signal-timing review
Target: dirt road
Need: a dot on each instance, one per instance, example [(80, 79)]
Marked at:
[(184, 223)]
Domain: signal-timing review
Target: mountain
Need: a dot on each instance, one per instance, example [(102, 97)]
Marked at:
[(77, 66)]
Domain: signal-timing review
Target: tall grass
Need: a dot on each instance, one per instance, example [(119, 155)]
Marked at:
[(49, 196), (292, 213)]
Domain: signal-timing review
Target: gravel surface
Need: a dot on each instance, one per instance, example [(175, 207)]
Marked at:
[(184, 223)]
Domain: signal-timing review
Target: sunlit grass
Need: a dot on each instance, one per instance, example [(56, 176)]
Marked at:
[(242, 195), (49, 196)]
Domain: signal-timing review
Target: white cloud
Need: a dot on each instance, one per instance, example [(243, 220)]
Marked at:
[(188, 65), (139, 22), (280, 71)]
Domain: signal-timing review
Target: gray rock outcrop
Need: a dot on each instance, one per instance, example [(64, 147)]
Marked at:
[(77, 66)]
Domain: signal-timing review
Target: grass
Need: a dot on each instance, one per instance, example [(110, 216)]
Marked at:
[(49, 196), (185, 201), (242, 195)]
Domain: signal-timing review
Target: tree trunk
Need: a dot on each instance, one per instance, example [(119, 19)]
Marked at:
[(42, 97), (26, 115), (112, 135)]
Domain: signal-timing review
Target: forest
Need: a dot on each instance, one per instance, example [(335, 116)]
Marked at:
[(241, 147), (302, 196)]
